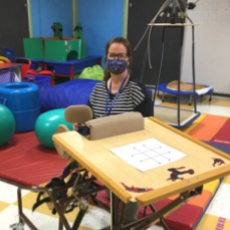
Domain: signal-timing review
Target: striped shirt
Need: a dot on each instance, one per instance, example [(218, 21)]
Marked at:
[(133, 97)]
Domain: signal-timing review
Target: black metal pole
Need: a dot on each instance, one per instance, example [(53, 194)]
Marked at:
[(114, 201), (179, 78), (161, 63), (193, 65)]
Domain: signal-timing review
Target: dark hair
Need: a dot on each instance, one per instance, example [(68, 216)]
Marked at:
[(127, 45)]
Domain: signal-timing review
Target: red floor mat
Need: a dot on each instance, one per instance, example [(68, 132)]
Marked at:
[(25, 161)]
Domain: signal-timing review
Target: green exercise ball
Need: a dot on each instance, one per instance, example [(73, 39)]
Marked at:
[(7, 124), (46, 125)]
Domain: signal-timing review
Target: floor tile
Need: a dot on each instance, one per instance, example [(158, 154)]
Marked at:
[(29, 199), (96, 218), (41, 221), (3, 205), (8, 193), (214, 110)]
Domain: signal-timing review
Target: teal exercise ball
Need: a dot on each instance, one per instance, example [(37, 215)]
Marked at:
[(46, 126), (7, 124)]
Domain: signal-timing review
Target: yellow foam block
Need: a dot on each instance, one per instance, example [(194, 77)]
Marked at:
[(212, 186), (201, 200)]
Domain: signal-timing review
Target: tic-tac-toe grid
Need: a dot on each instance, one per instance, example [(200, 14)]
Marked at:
[(148, 154)]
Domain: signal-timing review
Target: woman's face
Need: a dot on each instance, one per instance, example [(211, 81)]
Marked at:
[(117, 50)]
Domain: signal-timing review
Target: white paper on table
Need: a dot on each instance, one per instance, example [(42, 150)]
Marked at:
[(147, 154), (220, 205)]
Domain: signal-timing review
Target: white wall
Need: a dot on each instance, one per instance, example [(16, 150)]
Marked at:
[(212, 45)]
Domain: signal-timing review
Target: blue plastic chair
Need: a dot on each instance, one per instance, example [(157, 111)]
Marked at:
[(9, 53)]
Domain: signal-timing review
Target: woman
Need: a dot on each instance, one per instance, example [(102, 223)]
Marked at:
[(120, 93)]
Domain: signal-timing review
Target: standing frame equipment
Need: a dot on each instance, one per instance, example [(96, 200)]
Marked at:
[(174, 13)]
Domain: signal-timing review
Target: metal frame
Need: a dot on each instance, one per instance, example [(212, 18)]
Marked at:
[(117, 217), (190, 97), (170, 10), (179, 77), (118, 222), (59, 205)]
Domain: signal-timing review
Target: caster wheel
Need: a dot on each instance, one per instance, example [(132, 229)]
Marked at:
[(18, 226)]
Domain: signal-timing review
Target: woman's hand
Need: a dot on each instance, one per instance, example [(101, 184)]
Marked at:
[(76, 126)]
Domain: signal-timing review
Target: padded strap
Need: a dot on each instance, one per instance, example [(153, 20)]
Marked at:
[(40, 202), (55, 183), (115, 125)]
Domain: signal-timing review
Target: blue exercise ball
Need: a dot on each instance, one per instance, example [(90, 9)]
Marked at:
[(46, 126), (7, 125)]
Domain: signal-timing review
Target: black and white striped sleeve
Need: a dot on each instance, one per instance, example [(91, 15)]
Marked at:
[(142, 99)]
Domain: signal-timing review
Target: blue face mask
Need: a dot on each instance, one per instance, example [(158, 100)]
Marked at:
[(117, 66)]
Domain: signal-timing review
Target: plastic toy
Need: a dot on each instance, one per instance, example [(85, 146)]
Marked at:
[(26, 63), (43, 73), (4, 60), (33, 48), (7, 75), (22, 99), (9, 53), (63, 50), (78, 31), (29, 78), (56, 48), (7, 124), (47, 124), (57, 29)]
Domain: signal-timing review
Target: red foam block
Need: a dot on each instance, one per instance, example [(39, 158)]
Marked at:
[(184, 218), (223, 137)]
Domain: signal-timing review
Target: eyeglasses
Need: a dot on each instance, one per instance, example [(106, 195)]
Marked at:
[(120, 56)]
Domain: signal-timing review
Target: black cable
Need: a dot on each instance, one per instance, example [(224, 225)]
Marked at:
[(146, 52), (161, 63), (143, 64), (193, 65)]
